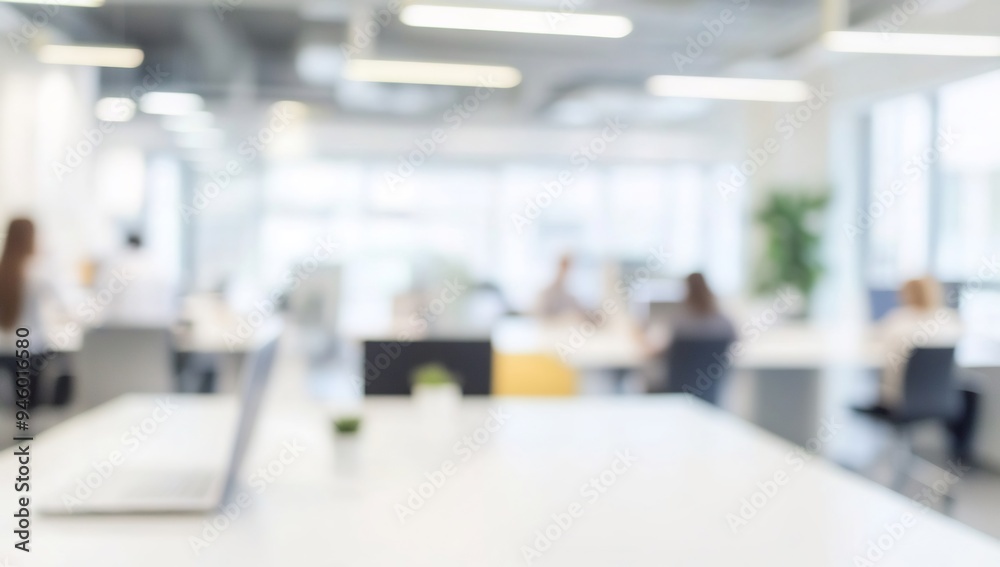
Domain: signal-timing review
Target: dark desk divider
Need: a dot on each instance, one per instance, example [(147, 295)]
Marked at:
[(389, 364)]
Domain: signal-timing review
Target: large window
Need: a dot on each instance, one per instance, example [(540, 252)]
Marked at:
[(969, 197), (500, 223), (935, 167), (899, 198), (934, 191)]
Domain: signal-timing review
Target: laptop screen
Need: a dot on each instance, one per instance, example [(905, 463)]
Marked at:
[(256, 373)]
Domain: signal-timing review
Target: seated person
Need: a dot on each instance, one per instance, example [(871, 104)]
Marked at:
[(700, 317), (904, 329)]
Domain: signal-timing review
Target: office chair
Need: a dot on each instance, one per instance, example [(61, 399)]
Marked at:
[(119, 360), (696, 366), (49, 383), (929, 394)]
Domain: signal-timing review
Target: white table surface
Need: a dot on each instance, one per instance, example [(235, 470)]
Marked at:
[(335, 503)]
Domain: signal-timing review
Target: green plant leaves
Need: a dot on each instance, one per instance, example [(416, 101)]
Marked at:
[(792, 221)]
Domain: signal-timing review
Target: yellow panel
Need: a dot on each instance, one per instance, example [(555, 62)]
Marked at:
[(531, 375)]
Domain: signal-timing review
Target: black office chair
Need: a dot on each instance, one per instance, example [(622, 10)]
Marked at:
[(48, 384), (929, 394), (697, 367)]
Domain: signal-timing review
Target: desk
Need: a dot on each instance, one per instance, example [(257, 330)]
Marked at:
[(786, 362), (337, 505)]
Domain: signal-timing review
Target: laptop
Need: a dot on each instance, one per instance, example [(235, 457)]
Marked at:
[(169, 477)]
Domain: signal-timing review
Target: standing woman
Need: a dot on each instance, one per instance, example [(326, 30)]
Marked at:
[(21, 292), (16, 308)]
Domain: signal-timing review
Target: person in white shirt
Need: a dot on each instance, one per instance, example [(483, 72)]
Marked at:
[(921, 321), (25, 289), (132, 290)]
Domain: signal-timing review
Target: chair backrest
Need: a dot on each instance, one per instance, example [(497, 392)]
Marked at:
[(389, 364), (928, 389), (698, 367), (121, 360), (532, 374)]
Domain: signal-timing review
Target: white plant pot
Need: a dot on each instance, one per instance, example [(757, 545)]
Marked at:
[(347, 452), (437, 404), (437, 395)]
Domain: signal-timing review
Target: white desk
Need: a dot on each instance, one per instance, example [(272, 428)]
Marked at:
[(785, 345), (694, 466)]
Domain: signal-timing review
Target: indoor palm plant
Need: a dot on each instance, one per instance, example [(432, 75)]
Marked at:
[(792, 222)]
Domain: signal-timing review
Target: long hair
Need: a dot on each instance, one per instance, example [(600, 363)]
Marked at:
[(18, 248), (700, 298)]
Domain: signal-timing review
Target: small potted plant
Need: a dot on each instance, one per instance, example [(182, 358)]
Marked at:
[(346, 448), (434, 386), (347, 425)]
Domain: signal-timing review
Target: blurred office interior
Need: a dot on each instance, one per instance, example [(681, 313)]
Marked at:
[(215, 166)]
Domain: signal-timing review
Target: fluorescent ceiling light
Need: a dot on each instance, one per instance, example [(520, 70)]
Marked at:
[(114, 109), (728, 89), (420, 73), (518, 21), (76, 3), (91, 55), (171, 104), (913, 43)]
